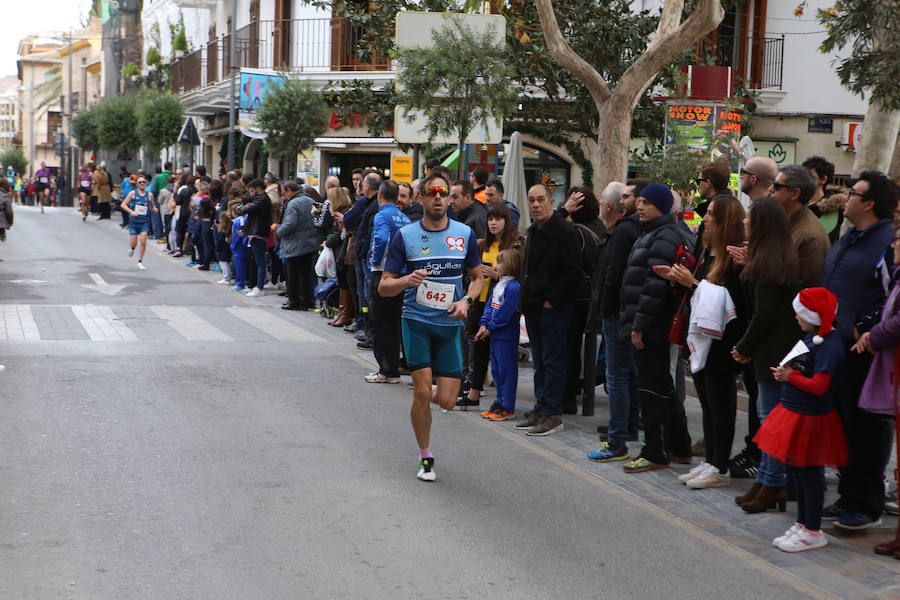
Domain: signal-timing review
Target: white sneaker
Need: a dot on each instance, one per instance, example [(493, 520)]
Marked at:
[(802, 540), (696, 471), (426, 470), (223, 281), (130, 252), (250, 289), (891, 507), (710, 478), (141, 266), (255, 293), (379, 378), (787, 534)]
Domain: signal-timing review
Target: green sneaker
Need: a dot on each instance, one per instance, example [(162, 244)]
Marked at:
[(606, 453), (641, 465)]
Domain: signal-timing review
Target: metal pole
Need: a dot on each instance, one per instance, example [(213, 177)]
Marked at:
[(68, 156), (415, 168), (232, 51)]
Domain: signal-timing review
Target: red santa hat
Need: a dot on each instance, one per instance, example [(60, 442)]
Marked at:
[(817, 306)]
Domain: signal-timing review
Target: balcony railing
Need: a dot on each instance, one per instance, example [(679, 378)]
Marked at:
[(309, 45), (756, 60)]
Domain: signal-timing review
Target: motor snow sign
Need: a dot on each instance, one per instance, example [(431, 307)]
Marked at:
[(697, 125)]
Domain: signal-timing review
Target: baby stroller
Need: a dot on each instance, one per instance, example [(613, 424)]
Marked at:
[(328, 298)]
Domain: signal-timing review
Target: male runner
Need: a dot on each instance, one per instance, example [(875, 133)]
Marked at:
[(42, 184), (433, 253), (138, 205)]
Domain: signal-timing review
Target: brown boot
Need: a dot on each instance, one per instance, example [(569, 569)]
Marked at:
[(749, 495), (345, 316), (767, 497)]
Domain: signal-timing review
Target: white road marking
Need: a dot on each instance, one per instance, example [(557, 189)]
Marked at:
[(17, 324), (278, 328), (104, 288), (189, 325), (101, 324)]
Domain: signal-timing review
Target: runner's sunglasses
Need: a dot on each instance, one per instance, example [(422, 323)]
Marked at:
[(436, 190)]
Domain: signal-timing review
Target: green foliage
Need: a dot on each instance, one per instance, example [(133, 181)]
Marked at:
[(14, 156), (153, 58), (116, 124), (159, 119), (872, 30), (86, 130), (293, 116), (360, 98), (462, 82), (131, 70), (47, 93), (676, 167)]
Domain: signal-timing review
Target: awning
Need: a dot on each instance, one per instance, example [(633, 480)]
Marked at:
[(452, 161)]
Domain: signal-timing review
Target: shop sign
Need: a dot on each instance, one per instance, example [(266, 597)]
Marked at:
[(402, 169), (782, 152)]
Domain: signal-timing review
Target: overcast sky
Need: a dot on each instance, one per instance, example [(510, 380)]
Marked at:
[(30, 16)]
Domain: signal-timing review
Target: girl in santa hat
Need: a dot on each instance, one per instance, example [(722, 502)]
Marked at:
[(803, 431)]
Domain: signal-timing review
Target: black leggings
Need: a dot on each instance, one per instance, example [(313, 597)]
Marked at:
[(717, 392), (809, 486)]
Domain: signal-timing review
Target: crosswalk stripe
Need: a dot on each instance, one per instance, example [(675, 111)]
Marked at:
[(189, 325), (17, 324), (269, 323), (102, 325)]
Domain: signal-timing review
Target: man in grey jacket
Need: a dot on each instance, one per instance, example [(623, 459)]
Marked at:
[(299, 242)]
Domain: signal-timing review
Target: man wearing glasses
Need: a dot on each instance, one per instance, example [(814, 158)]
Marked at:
[(793, 187), (756, 177), (426, 261), (138, 205)]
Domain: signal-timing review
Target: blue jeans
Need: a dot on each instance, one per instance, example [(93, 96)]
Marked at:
[(547, 332), (258, 248), (771, 472), (156, 224), (621, 383), (240, 267)]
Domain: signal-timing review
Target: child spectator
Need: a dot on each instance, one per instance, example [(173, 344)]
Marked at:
[(238, 245), (223, 243), (500, 322), (803, 431)]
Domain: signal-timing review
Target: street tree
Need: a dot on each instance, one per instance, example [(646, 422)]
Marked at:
[(871, 28), (116, 124), (615, 105), (15, 157), (159, 119), (86, 129), (292, 115), (462, 82)]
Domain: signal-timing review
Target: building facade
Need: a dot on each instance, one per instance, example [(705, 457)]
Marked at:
[(39, 70), (10, 134)]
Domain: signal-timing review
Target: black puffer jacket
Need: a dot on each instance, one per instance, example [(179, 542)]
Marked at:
[(259, 216), (647, 300), (621, 241)]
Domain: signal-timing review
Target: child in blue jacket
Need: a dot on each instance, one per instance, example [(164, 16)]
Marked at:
[(500, 321), (238, 247)]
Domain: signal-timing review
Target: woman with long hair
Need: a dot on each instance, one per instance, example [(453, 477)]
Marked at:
[(500, 236), (338, 202), (771, 280), (716, 287)]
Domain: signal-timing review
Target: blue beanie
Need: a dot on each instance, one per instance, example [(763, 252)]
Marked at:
[(658, 195)]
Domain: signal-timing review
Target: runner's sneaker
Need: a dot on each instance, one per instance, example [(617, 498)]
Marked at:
[(606, 453), (742, 466), (502, 415), (426, 470), (141, 266), (695, 472), (495, 407), (131, 253), (802, 540), (787, 534), (380, 378)]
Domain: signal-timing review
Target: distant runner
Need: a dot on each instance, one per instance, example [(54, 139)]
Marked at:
[(138, 205)]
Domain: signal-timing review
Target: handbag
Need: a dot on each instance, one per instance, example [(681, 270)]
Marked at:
[(679, 326)]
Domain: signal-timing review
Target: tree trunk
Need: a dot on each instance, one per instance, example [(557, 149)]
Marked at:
[(879, 136), (613, 143)]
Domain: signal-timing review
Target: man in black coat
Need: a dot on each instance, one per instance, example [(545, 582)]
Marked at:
[(551, 275), (257, 229), (647, 308)]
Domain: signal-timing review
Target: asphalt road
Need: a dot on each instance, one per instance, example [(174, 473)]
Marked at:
[(177, 441)]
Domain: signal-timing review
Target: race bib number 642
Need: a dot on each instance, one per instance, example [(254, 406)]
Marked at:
[(435, 295)]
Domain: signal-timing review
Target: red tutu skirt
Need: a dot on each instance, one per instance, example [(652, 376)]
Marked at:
[(803, 440)]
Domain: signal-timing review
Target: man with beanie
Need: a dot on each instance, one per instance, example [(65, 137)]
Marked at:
[(647, 308)]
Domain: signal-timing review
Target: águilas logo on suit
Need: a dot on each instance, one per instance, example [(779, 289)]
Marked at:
[(457, 244)]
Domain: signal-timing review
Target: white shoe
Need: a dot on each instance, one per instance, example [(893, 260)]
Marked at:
[(255, 293), (223, 281), (802, 540), (250, 289), (694, 472), (426, 471), (787, 534), (131, 253), (379, 378), (710, 478), (141, 266)]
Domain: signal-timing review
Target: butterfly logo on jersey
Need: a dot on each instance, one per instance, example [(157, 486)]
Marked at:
[(457, 244)]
